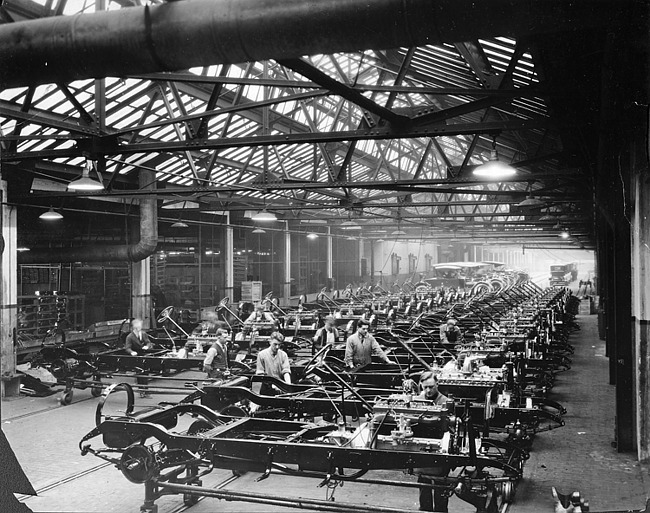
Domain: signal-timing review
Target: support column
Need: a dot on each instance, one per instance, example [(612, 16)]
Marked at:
[(641, 309), (360, 256), (9, 381), (287, 262), (141, 306), (329, 261), (228, 260)]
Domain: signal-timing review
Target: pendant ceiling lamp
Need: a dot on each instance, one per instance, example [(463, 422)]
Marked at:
[(86, 183), (312, 236), (547, 217), (180, 223), (50, 215), (259, 230), (531, 201), (264, 216), (349, 225), (494, 168)]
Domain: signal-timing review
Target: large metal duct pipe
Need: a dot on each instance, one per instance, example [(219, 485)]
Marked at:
[(182, 34), (126, 253)]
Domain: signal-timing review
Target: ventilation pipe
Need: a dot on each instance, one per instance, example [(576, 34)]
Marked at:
[(182, 34), (127, 253)]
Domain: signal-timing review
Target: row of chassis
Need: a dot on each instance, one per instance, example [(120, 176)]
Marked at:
[(474, 447)]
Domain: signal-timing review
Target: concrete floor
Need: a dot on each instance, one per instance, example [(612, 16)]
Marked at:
[(45, 437)]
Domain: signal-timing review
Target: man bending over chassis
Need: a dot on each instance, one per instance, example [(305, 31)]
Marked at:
[(432, 499)]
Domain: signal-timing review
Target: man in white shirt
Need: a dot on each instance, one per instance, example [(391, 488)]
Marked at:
[(260, 315), (273, 361)]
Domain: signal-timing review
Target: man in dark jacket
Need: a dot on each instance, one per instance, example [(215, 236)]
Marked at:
[(137, 341)]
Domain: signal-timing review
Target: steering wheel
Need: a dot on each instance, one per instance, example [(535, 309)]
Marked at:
[(224, 302), (317, 360), (165, 314)]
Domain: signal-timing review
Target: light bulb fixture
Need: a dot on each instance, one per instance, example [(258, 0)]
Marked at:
[(399, 231), (350, 238), (494, 168), (50, 215), (312, 236), (349, 225), (85, 183), (547, 217), (531, 201), (22, 249), (259, 230), (264, 216), (180, 223), (564, 235), (379, 240)]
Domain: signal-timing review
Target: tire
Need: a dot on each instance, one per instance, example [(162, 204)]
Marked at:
[(66, 398), (96, 391)]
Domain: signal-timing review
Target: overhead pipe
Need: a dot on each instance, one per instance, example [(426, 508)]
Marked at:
[(178, 35), (145, 247)]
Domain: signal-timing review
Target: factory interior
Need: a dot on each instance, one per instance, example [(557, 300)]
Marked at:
[(375, 256)]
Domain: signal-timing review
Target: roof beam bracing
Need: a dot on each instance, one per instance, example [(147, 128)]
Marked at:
[(214, 158), (474, 55), (109, 147), (504, 81), (170, 112), (309, 71), (305, 84), (429, 185), (201, 128), (46, 118)]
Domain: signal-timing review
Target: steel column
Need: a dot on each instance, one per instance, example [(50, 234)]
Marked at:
[(9, 382), (287, 262), (229, 267)]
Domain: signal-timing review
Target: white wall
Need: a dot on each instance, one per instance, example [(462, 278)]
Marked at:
[(384, 250)]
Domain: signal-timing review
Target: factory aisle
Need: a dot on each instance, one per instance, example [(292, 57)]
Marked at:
[(580, 455)]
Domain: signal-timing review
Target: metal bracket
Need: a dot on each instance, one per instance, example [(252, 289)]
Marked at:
[(269, 466), (330, 471)]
